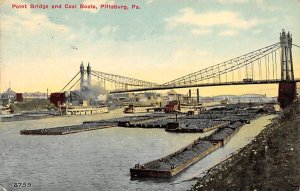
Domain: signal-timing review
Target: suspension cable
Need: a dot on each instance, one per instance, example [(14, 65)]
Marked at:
[(296, 45), (76, 82), (273, 65), (251, 55), (260, 69), (276, 64), (268, 68), (69, 82)]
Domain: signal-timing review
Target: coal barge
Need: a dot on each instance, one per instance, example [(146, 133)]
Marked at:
[(64, 130), (178, 161), (31, 116), (195, 125)]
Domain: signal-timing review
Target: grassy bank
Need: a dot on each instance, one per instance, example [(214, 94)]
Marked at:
[(270, 162)]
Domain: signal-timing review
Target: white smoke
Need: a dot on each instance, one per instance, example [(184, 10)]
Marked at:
[(91, 93), (102, 97)]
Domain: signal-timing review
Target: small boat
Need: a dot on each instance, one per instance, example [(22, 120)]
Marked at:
[(79, 110)]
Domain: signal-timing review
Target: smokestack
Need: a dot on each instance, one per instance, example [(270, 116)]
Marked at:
[(81, 76), (89, 75)]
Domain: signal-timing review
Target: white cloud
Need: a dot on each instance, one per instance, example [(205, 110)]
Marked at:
[(26, 20), (257, 31), (200, 32), (231, 19), (232, 1), (149, 1), (261, 4), (240, 1), (109, 29), (267, 7), (228, 33)]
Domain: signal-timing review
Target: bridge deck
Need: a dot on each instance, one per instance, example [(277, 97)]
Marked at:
[(202, 85)]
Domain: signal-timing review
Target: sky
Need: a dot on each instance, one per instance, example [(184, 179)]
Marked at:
[(43, 48)]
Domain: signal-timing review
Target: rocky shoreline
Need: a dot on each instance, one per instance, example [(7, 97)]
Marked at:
[(270, 162)]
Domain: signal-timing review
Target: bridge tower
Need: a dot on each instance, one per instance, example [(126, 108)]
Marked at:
[(287, 86), (88, 71), (81, 76)]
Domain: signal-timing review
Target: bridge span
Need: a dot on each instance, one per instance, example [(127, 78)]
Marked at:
[(272, 64), (277, 81)]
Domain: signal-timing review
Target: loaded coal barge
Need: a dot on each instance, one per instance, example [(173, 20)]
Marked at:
[(176, 162)]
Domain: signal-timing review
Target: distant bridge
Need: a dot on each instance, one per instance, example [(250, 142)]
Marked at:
[(272, 64)]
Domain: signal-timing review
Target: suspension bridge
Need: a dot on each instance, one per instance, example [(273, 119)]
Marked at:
[(272, 64)]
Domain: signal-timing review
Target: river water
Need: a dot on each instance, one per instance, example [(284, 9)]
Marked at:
[(101, 159)]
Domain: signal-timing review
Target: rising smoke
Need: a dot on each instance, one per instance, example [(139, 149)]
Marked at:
[(92, 93)]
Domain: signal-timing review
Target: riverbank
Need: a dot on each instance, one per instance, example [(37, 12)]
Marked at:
[(269, 162)]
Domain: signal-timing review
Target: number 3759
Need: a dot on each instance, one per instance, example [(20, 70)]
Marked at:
[(22, 184)]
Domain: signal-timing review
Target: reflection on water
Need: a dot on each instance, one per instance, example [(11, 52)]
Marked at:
[(99, 160)]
